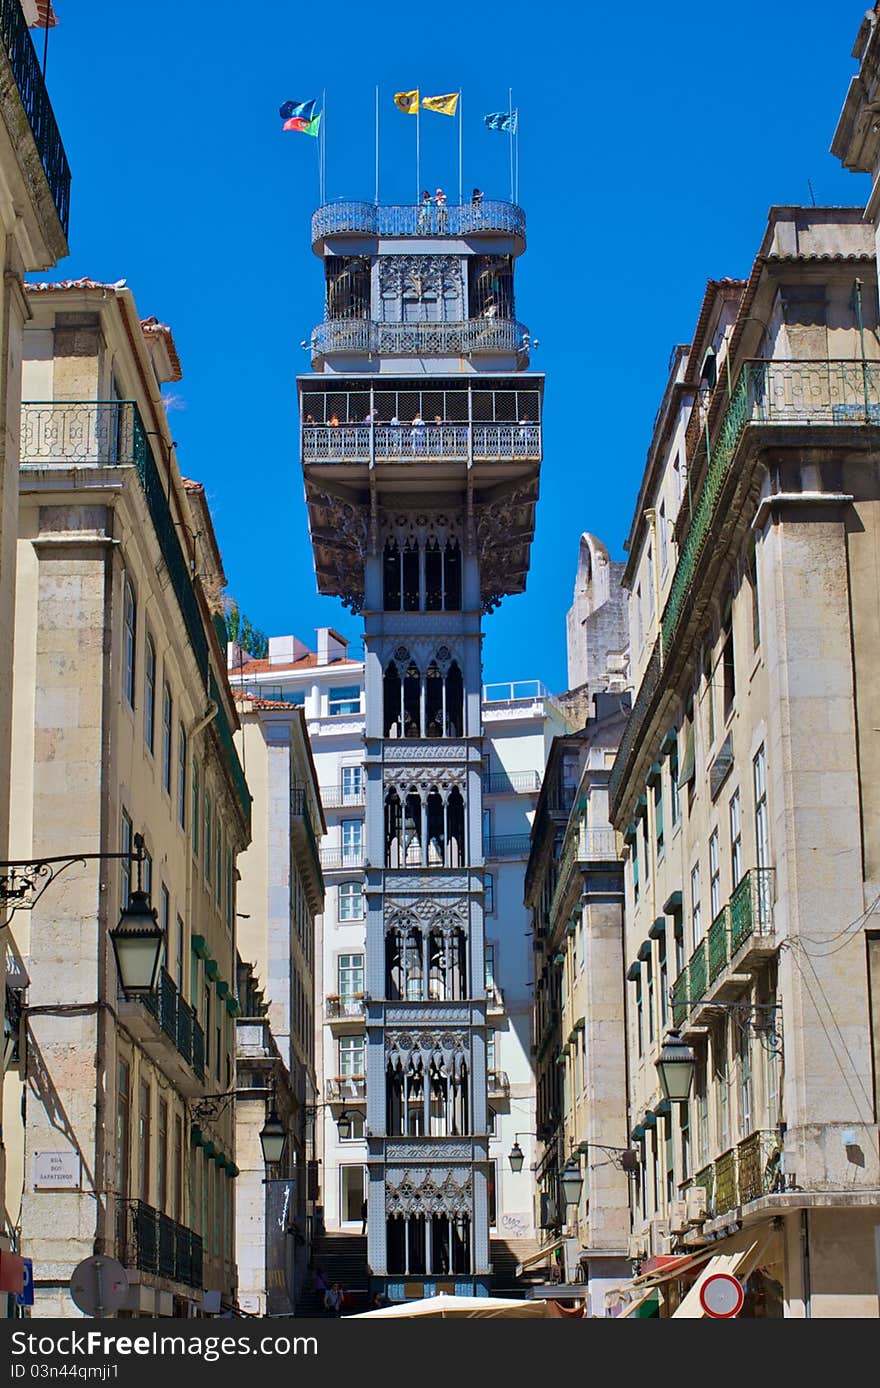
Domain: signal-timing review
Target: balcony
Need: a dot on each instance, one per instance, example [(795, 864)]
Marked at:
[(341, 798), (347, 1089), (341, 859), (434, 443), (494, 1000), (168, 1029), (506, 846), (741, 1174), (22, 58), (467, 337), (97, 434), (304, 838), (511, 783), (497, 1084), (152, 1242), (740, 937), (467, 219), (771, 395), (344, 1013)]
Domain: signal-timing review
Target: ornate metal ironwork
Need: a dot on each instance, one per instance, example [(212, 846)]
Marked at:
[(37, 106), (433, 1194), (751, 907), (725, 1183), (718, 943), (507, 782), (79, 433), (153, 1242), (334, 859), (507, 846), (758, 1165), (467, 219), (464, 338), (24, 880)]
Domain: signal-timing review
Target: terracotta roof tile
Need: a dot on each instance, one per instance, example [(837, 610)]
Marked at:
[(242, 697), (49, 285), (152, 327), (190, 486)]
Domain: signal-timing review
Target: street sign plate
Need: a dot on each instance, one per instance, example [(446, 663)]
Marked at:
[(722, 1296)]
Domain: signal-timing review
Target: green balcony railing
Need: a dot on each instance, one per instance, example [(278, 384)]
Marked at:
[(680, 995), (751, 907), (758, 1166), (725, 1183), (698, 972), (719, 943), (25, 65)]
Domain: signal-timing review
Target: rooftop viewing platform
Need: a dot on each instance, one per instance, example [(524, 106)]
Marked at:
[(362, 337), (415, 220)]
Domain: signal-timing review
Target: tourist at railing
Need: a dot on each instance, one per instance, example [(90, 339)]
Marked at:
[(425, 211), (442, 217)]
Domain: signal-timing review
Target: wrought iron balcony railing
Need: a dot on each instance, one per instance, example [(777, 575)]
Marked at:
[(334, 859), (741, 1174), (751, 907), (347, 1089), (467, 219), (363, 337), (339, 1008), (110, 433), (719, 943), (25, 66), (153, 1242), (511, 782), (401, 443), (178, 1021), (507, 846), (748, 913)]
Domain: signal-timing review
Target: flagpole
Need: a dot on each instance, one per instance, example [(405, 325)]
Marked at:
[(418, 149), (324, 145), (516, 161), (459, 150), (510, 112), (377, 144)]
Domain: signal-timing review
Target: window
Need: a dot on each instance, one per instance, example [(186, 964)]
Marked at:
[(714, 875), (194, 981), (678, 935), (701, 1103), (178, 963), (752, 569), (744, 1074), (148, 873), (647, 853), (350, 975), (125, 863), (352, 841), (177, 1170), (351, 901), (129, 631), (491, 1050), (669, 1161), (696, 924), (639, 626), (489, 897), (207, 836), (165, 920), (143, 1153), (649, 582), (218, 862), (709, 699), (123, 1091), (723, 1078), (351, 1055), (194, 816), (230, 892), (345, 699), (149, 691), (162, 1158), (635, 866), (649, 974), (640, 1015), (736, 846), (181, 776), (658, 815), (352, 784), (662, 542), (489, 966), (685, 1122), (675, 799), (728, 665), (664, 981), (167, 709), (762, 828)]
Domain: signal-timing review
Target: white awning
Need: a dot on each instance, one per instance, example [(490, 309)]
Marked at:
[(740, 1262)]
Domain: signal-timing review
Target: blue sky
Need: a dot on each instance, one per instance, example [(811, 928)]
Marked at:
[(653, 139)]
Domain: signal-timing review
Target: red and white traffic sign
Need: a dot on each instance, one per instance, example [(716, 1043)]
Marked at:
[(722, 1296)]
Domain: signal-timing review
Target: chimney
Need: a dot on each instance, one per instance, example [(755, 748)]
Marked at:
[(331, 646), (286, 650)]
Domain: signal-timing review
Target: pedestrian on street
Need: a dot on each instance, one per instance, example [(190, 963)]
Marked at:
[(334, 1300)]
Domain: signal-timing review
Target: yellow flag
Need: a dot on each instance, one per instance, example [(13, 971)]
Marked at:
[(407, 102), (445, 105)]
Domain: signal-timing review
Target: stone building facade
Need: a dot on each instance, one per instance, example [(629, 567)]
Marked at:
[(745, 788), (122, 724)]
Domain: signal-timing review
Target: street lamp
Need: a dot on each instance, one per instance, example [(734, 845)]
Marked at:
[(138, 938), (273, 1137), (675, 1066), (343, 1127), (516, 1157), (571, 1181)]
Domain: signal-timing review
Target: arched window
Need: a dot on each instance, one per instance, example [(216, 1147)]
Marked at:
[(393, 702), (129, 632), (434, 701), (393, 831), (412, 701), (392, 577), (454, 701), (149, 691), (410, 576), (452, 576)]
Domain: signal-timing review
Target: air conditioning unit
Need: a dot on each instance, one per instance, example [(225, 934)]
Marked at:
[(678, 1216), (660, 1235), (636, 1247), (695, 1200)]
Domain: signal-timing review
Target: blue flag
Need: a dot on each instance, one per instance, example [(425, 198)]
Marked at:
[(502, 120), (304, 109)]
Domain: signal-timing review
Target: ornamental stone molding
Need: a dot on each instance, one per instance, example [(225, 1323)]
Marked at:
[(436, 912), (409, 1192), (414, 780), (453, 1014), (420, 652), (406, 750), (411, 1050), (438, 878), (421, 527), (426, 1150)]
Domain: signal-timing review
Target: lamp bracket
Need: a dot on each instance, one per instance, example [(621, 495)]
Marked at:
[(24, 880), (210, 1106)]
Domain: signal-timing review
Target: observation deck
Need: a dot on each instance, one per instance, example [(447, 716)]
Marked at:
[(488, 219)]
